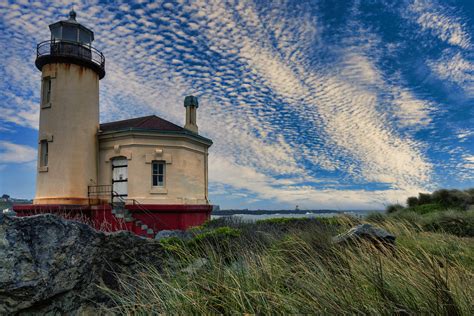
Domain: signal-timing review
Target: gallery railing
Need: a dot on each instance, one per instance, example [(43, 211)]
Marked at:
[(76, 50)]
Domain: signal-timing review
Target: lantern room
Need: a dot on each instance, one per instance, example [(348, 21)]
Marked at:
[(71, 31), (70, 43)]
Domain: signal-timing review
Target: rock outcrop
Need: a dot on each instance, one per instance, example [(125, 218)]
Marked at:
[(366, 231), (50, 265)]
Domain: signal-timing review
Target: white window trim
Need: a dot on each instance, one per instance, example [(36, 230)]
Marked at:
[(163, 163)]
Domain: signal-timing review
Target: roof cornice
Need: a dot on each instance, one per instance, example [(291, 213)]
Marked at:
[(148, 132)]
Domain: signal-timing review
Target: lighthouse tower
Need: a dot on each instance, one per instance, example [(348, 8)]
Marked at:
[(69, 117)]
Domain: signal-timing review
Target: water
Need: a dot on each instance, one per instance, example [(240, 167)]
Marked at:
[(256, 217)]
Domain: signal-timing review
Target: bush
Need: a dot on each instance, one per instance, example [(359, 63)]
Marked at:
[(282, 220), (172, 243), (412, 201), (392, 208), (424, 198), (426, 208), (218, 233), (452, 198), (452, 222)]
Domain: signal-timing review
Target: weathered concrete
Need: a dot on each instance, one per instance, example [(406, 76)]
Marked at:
[(186, 166), (49, 265), (69, 123)]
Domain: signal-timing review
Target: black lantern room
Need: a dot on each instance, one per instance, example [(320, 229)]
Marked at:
[(70, 43), (71, 31)]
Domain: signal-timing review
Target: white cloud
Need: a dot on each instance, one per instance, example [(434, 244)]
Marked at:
[(410, 110), (439, 22), (270, 106), (14, 153), (456, 69), (469, 161)]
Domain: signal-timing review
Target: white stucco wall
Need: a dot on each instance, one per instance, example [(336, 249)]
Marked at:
[(69, 123), (185, 172)]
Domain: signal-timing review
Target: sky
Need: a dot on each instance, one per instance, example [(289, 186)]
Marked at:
[(321, 104)]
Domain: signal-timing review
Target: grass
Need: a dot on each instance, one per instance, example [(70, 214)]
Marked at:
[(291, 266), (451, 221)]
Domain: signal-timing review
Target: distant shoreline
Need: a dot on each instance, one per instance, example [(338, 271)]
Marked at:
[(284, 212)]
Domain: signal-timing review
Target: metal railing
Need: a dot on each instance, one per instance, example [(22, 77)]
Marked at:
[(116, 201), (64, 48)]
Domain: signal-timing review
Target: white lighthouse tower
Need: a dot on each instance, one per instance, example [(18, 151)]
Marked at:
[(69, 117)]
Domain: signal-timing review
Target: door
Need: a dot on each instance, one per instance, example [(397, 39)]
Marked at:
[(119, 178)]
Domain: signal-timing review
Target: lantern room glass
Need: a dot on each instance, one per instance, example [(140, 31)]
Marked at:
[(71, 33)]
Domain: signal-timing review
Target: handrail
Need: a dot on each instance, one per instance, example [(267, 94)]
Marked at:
[(107, 189), (66, 48)]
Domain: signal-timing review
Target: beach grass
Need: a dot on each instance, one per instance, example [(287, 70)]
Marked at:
[(291, 266)]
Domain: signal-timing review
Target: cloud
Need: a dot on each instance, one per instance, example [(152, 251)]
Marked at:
[(437, 20), (469, 161), (14, 153), (453, 67), (299, 105)]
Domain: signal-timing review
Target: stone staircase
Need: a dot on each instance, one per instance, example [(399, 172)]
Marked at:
[(132, 224)]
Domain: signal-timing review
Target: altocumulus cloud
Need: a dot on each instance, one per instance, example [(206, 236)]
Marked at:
[(324, 105)]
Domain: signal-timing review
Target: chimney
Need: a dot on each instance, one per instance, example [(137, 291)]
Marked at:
[(191, 104)]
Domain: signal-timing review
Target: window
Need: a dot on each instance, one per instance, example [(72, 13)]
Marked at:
[(158, 174), (70, 33), (84, 37), (46, 96), (44, 153)]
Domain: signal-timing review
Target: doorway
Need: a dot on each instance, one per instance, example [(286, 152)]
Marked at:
[(119, 179)]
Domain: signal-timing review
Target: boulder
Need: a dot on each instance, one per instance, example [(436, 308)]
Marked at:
[(365, 231), (51, 265), (181, 234)]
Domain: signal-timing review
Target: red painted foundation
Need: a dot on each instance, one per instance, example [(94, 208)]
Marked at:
[(143, 217)]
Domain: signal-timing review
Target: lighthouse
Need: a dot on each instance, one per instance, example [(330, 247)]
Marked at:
[(141, 174), (69, 116)]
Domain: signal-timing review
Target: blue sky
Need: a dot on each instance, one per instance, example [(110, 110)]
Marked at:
[(321, 104)]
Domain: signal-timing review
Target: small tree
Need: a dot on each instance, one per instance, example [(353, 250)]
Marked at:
[(5, 197), (424, 198), (392, 208), (412, 201)]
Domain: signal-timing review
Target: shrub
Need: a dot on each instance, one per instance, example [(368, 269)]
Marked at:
[(282, 220), (427, 208), (452, 198), (218, 233), (392, 208), (424, 198), (412, 201), (452, 222), (172, 243)]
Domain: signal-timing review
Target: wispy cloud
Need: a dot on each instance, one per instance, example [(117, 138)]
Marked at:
[(301, 105), (14, 153)]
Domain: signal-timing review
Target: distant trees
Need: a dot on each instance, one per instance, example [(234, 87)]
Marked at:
[(5, 197), (440, 199)]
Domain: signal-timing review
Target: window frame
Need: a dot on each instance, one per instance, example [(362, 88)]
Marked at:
[(44, 153), (46, 91), (158, 174)]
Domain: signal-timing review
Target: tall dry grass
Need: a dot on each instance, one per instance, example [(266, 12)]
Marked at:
[(302, 272)]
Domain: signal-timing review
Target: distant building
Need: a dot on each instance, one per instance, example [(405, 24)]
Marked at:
[(143, 174)]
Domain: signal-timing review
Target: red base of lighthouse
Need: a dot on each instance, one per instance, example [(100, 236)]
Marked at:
[(144, 219)]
